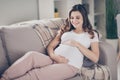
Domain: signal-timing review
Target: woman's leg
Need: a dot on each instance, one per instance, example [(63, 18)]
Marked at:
[(29, 61), (56, 72), (50, 72), (30, 75)]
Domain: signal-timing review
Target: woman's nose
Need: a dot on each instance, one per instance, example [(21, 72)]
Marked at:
[(74, 20)]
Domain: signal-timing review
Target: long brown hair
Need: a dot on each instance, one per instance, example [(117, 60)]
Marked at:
[(87, 27)]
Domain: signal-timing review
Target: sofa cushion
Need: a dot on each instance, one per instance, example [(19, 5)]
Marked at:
[(44, 33), (3, 60), (19, 40), (102, 48), (54, 23)]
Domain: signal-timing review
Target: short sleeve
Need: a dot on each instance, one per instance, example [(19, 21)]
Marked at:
[(95, 39)]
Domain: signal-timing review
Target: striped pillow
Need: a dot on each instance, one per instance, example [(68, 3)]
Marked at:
[(45, 33)]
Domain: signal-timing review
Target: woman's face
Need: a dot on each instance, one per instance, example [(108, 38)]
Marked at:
[(76, 19)]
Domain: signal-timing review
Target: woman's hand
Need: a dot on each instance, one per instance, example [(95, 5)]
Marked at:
[(71, 43), (59, 59)]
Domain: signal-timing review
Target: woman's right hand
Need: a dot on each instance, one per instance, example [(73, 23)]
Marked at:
[(59, 59)]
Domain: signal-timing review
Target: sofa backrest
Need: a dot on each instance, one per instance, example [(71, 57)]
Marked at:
[(21, 37)]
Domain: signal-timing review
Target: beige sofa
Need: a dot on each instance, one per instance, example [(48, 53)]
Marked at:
[(19, 38)]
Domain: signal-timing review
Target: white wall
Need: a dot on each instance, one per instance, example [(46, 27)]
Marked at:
[(46, 9), (61, 5), (12, 11)]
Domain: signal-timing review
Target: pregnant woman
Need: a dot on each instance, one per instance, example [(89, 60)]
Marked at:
[(65, 51)]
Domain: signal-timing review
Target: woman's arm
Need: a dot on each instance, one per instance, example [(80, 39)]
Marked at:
[(53, 44), (50, 49), (92, 54)]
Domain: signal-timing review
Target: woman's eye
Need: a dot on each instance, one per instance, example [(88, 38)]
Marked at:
[(77, 17), (72, 18)]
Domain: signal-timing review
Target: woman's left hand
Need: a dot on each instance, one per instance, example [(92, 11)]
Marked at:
[(71, 43)]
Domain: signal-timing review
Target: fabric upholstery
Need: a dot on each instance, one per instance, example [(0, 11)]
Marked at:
[(3, 60), (108, 57), (21, 38)]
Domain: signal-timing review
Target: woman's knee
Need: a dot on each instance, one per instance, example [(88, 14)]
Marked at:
[(37, 56), (32, 53)]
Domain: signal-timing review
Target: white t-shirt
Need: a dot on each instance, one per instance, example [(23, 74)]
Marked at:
[(73, 54)]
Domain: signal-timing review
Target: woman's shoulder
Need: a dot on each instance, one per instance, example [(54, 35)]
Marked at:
[(94, 32), (96, 37), (68, 32)]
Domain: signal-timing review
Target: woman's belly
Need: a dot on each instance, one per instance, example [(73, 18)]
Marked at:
[(74, 56)]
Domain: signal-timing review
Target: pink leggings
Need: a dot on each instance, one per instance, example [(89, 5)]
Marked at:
[(37, 66)]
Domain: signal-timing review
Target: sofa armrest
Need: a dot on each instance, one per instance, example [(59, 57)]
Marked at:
[(108, 57)]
